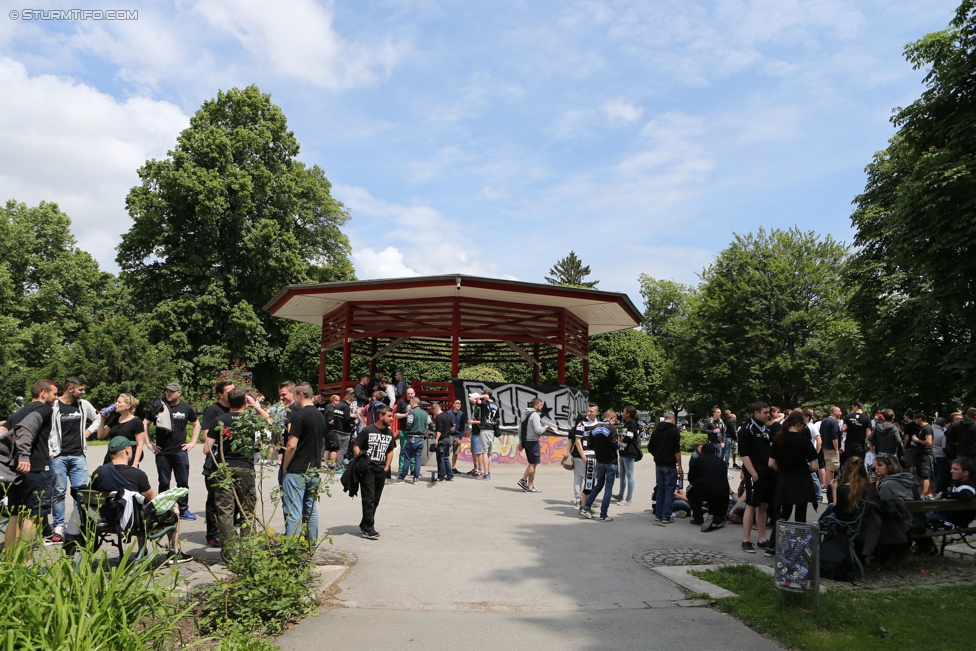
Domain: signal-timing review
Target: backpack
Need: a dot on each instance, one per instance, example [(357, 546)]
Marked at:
[(489, 415), (524, 428), (836, 561)]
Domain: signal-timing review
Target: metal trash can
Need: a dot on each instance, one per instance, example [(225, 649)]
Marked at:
[(797, 566)]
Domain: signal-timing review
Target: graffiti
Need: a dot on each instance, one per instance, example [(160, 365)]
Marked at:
[(560, 404), (505, 450)]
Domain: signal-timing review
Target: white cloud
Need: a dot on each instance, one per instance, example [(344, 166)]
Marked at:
[(68, 143), (577, 122), (621, 111), (387, 263), (418, 239)]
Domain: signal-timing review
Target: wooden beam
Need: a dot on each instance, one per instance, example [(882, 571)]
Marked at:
[(387, 348), (524, 355)]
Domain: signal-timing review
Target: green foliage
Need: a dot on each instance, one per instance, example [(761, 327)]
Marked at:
[(481, 373), (87, 605), (665, 304), (114, 356), (915, 269), (769, 321), (300, 358), (272, 584), (570, 272), (863, 620), (241, 637), (625, 369), (691, 440), (220, 226)]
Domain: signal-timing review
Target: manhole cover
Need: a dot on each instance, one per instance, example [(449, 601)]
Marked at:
[(681, 556)]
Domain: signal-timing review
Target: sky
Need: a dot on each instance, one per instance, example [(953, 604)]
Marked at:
[(485, 138)]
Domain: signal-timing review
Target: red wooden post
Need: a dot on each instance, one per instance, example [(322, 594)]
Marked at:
[(372, 360), (456, 338), (561, 375), (322, 354), (347, 344)]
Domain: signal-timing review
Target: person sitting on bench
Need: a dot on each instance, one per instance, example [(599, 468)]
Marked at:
[(118, 475)]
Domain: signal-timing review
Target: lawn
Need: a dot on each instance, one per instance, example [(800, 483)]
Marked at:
[(913, 618)]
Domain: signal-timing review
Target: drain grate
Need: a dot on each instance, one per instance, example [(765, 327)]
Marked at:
[(682, 556)]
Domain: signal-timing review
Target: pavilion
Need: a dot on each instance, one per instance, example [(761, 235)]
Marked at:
[(455, 318)]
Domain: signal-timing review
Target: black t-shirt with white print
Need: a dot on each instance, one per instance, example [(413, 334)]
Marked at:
[(71, 439), (181, 414), (377, 443)]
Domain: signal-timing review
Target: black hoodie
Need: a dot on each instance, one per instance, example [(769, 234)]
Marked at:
[(665, 443)]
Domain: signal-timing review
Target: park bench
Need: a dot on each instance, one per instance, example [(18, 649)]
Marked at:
[(95, 530), (943, 506)]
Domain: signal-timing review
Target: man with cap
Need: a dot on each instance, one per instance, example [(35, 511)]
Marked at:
[(171, 415), (119, 475)]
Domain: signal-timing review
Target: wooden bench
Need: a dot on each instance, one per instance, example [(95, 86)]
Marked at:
[(941, 507)]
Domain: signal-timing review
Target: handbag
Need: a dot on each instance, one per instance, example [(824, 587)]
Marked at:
[(640, 453), (567, 461)]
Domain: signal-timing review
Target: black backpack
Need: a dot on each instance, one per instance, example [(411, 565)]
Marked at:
[(836, 561)]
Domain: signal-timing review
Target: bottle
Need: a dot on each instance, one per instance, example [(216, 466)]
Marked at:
[(108, 410)]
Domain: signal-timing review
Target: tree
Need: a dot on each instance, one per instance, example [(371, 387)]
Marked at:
[(914, 275), (50, 291), (570, 272), (221, 225), (769, 322), (665, 304)]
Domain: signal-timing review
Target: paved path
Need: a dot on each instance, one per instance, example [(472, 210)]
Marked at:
[(485, 565)]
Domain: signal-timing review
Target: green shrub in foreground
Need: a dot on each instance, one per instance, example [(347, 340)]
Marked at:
[(89, 605)]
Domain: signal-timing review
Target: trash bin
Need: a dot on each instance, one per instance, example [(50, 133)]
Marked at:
[(797, 566)]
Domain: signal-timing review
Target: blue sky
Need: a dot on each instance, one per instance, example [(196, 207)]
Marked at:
[(486, 138)]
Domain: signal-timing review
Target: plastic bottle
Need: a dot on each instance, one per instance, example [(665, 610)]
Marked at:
[(108, 410)]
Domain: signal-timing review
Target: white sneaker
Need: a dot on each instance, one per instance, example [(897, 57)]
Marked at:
[(626, 503)]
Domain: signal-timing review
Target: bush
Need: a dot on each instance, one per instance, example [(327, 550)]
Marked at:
[(272, 585), (689, 441), (87, 604)]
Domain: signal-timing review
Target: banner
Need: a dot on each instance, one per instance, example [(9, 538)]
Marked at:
[(560, 404)]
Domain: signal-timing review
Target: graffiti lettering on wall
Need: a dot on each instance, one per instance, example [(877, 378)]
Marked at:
[(560, 404), (505, 450)]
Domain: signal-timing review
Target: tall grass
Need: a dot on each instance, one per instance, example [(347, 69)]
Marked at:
[(86, 604)]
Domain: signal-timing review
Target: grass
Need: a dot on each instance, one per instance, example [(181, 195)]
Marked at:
[(913, 618)]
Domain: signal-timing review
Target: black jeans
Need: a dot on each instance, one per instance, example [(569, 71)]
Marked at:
[(370, 490), (177, 463), (211, 512), (444, 458), (718, 504)]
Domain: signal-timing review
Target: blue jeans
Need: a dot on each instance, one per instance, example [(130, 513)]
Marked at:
[(177, 463), (667, 481), (625, 470), (299, 494), (414, 450), (727, 452), (444, 458), (65, 469), (605, 474)]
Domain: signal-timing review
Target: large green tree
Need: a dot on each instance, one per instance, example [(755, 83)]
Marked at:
[(768, 321), (571, 271), (220, 226), (50, 292), (914, 273)]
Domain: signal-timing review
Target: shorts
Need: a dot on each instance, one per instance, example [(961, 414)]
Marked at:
[(924, 465), (487, 439), (476, 444), (831, 460), (332, 441), (455, 444), (759, 492), (532, 449), (28, 495)]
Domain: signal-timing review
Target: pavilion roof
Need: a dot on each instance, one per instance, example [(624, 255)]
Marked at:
[(600, 311)]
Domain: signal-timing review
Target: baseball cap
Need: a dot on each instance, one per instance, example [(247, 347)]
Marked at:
[(174, 386), (118, 444)]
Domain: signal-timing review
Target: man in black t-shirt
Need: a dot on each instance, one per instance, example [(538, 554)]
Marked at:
[(225, 444), (603, 442), (759, 479), (856, 429), (378, 442), (442, 442), (171, 416), (924, 454), (73, 422), (28, 486), (117, 475), (303, 454), (210, 416)]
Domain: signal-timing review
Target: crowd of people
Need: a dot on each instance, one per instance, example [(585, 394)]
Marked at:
[(790, 460)]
